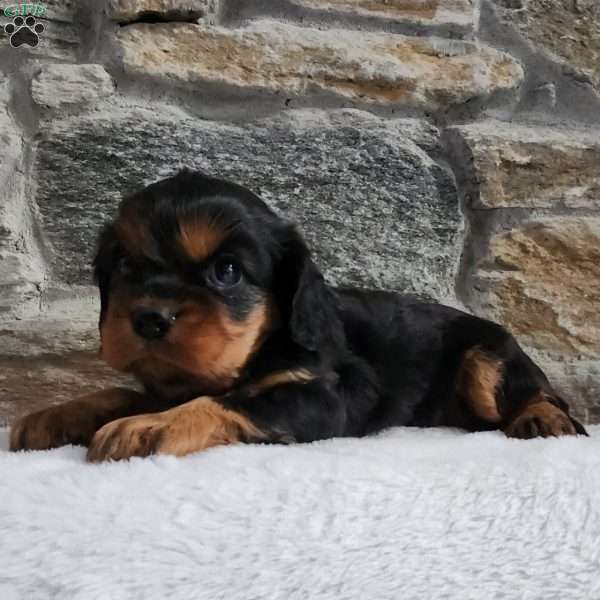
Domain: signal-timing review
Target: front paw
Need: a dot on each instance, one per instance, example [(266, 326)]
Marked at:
[(132, 436), (193, 426), (53, 427)]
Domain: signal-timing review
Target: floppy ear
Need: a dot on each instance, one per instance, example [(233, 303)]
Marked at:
[(104, 264), (309, 305)]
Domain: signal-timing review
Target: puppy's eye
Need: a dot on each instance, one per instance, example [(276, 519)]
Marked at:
[(226, 272)]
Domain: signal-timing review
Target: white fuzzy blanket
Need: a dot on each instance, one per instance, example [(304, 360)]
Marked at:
[(410, 514)]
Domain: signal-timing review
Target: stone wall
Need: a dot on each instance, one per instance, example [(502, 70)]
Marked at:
[(445, 147)]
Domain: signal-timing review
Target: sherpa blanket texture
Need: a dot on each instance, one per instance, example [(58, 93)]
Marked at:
[(408, 514)]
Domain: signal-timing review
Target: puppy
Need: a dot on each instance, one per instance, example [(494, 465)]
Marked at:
[(215, 305)]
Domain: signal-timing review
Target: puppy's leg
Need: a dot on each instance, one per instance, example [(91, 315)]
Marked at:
[(192, 426), (290, 406), (75, 422), (543, 415), (503, 387)]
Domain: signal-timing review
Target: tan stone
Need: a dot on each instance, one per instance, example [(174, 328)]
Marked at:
[(515, 166), (424, 11), (543, 282), (569, 29), (127, 10), (369, 67)]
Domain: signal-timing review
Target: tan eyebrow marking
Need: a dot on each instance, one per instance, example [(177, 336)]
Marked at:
[(200, 239)]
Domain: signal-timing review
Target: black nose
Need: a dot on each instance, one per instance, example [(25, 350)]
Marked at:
[(150, 324)]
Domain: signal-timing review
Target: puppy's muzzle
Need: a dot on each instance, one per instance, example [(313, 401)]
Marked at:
[(151, 324)]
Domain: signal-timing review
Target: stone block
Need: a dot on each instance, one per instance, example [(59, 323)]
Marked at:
[(510, 165), (60, 85), (376, 207), (542, 280), (362, 67), (566, 29)]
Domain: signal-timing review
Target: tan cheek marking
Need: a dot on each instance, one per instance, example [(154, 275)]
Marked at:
[(205, 342), (119, 346), (478, 381), (200, 239), (210, 344), (243, 339)]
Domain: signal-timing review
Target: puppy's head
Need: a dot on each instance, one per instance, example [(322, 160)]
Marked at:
[(194, 274)]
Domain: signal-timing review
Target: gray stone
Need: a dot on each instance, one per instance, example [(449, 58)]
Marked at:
[(63, 84), (579, 384), (62, 11), (62, 39), (377, 209), (21, 272)]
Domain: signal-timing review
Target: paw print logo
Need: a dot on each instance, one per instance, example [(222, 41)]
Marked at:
[(24, 31)]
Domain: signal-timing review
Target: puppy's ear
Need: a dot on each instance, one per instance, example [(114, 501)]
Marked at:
[(105, 263), (307, 303)]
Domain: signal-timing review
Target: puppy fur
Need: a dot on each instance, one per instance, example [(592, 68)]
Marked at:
[(216, 306)]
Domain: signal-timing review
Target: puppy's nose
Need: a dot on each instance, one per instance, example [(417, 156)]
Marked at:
[(150, 324)]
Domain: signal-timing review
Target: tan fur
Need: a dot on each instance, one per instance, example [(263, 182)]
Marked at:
[(540, 418), (119, 347), (279, 378), (193, 426), (73, 422), (479, 378), (204, 342), (211, 345), (200, 239)]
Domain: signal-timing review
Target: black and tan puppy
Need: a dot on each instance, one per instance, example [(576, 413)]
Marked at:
[(214, 303)]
